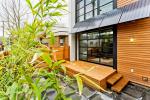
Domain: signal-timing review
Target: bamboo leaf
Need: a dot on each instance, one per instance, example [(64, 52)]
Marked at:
[(47, 59), (64, 69), (55, 14), (80, 83), (37, 5), (29, 3), (53, 1)]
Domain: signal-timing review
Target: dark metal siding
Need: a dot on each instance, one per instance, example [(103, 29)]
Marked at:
[(95, 22), (134, 11), (75, 28), (83, 26), (112, 18)]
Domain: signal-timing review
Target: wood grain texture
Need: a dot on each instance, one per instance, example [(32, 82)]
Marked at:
[(96, 73), (135, 55), (118, 87), (121, 3)]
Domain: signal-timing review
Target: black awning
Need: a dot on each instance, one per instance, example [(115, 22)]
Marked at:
[(133, 11), (75, 28), (83, 26), (111, 18), (95, 22), (136, 10)]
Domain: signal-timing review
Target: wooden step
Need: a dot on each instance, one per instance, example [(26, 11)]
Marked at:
[(120, 85), (113, 79)]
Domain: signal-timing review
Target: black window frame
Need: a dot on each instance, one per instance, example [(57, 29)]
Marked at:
[(93, 10), (114, 54)]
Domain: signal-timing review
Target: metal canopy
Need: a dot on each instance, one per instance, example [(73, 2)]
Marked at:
[(95, 22), (133, 11), (111, 18), (75, 28), (83, 26)]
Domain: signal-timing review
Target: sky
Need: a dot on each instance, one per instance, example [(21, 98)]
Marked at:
[(63, 20)]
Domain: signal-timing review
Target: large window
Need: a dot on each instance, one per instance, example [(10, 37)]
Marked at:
[(86, 9), (97, 47)]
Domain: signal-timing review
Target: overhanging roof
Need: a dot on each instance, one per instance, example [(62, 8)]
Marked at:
[(133, 11)]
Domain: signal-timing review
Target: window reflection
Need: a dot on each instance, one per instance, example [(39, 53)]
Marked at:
[(93, 35), (83, 43), (97, 46), (104, 2), (83, 51), (83, 57), (93, 43), (93, 54), (81, 12), (91, 8), (80, 4), (83, 36), (89, 15), (88, 1), (106, 8), (81, 18)]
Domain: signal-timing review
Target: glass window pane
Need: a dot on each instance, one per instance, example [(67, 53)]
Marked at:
[(83, 43), (88, 1), (81, 18), (93, 43), (83, 36), (106, 8), (80, 4), (103, 2), (89, 8), (106, 61), (89, 15), (93, 55), (93, 35), (83, 57), (95, 12), (97, 47), (80, 12), (83, 51), (95, 3)]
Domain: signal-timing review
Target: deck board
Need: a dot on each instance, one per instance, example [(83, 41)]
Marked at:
[(97, 73)]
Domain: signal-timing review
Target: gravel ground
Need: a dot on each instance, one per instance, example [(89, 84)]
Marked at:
[(131, 92)]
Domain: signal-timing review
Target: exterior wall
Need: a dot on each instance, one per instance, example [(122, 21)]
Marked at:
[(133, 58), (121, 3), (71, 24)]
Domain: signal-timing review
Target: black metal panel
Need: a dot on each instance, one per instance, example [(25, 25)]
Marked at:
[(75, 28), (112, 18), (83, 26), (136, 10), (95, 22)]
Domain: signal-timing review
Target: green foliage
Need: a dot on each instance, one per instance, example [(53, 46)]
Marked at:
[(80, 83), (20, 80)]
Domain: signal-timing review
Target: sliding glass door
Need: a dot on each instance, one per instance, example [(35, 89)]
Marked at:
[(97, 47)]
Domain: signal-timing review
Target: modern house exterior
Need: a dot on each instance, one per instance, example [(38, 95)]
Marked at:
[(113, 33)]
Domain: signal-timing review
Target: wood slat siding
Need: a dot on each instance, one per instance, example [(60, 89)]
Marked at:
[(121, 3), (134, 55)]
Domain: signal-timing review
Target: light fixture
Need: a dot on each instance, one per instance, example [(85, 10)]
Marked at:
[(132, 38)]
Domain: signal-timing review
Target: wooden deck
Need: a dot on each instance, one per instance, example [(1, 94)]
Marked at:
[(97, 73)]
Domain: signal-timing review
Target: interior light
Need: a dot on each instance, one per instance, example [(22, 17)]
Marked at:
[(132, 39)]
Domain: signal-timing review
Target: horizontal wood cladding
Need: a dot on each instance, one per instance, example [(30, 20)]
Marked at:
[(121, 3), (133, 58)]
